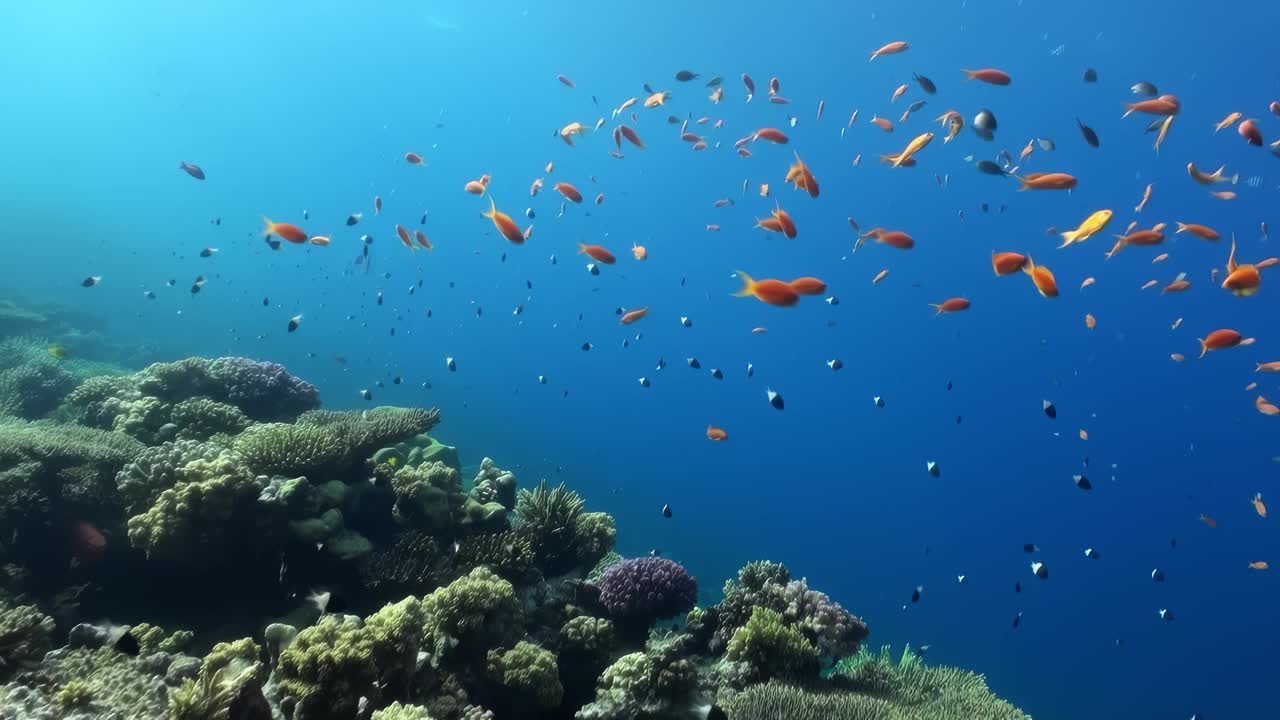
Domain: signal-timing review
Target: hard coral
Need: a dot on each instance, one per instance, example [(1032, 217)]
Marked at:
[(528, 671), (772, 648), (472, 614), (642, 590)]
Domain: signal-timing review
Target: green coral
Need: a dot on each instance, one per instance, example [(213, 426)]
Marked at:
[(229, 675), (428, 497), (327, 668), (24, 635), (153, 639), (194, 515), (507, 553), (594, 536), (659, 682), (284, 449), (156, 469), (472, 614), (589, 636), (396, 711), (550, 516), (367, 430), (772, 648), (201, 418), (530, 671), (119, 685), (610, 559), (73, 696), (143, 418), (35, 385)]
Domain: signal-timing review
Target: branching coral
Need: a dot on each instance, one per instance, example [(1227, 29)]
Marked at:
[(284, 449), (34, 387), (202, 418), (508, 553), (642, 590), (153, 639), (550, 516), (228, 684), (24, 635), (414, 563)]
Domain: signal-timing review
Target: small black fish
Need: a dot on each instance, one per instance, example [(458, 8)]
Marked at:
[(989, 167), (266, 302), (648, 89), (1090, 136), (216, 221), (775, 399), (949, 386), (915, 593), (366, 394), (666, 511), (1049, 410), (306, 215), (959, 419), (273, 243), (208, 252), (1017, 586), (91, 281), (423, 221), (127, 643), (295, 322), (1144, 88), (1030, 548), (396, 380), (1090, 75), (686, 75), (586, 346), (379, 297), (925, 83), (693, 363), (713, 82), (150, 295), (353, 218), (528, 284), (1017, 620), (673, 120), (1173, 542), (1082, 482), (717, 374), (192, 170), (916, 106)]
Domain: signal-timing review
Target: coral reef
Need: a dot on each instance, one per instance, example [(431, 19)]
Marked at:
[(270, 519)]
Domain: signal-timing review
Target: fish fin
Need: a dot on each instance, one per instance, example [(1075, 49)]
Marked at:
[(1204, 347), (270, 227), (968, 74), (1068, 237), (492, 212), (748, 284)]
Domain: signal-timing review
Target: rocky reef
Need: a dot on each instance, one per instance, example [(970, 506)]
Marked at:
[(269, 559)]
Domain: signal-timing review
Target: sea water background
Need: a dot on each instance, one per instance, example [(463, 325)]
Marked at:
[(311, 105)]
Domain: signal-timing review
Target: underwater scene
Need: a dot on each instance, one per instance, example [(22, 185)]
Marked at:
[(638, 361)]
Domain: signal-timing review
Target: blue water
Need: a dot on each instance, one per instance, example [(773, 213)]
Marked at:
[(310, 106)]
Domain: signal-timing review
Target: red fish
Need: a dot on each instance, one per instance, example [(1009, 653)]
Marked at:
[(989, 75), (504, 224), (597, 253), (288, 231)]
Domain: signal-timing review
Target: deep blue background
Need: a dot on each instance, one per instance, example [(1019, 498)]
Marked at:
[(307, 105)]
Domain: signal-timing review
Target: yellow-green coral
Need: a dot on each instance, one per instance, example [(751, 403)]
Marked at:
[(153, 639), (230, 671), (428, 496), (24, 634), (327, 668), (772, 648), (193, 515), (73, 696), (530, 671), (284, 449), (474, 613), (397, 711)]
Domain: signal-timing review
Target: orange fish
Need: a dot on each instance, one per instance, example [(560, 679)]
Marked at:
[(569, 192), (892, 48), (1241, 280), (884, 124), (477, 187), (321, 240), (1265, 406), (1207, 520), (1148, 285), (1259, 565), (1090, 321), (896, 160), (1163, 105), (716, 434), (1220, 340), (1180, 284), (1154, 236), (1251, 387), (988, 75), (597, 253), (1042, 277), (1204, 232), (405, 238), (808, 286), (800, 176), (657, 99), (951, 305), (1007, 263), (953, 121), (1046, 181), (421, 237), (1084, 434), (773, 135), (892, 238), (631, 135), (535, 187), (773, 292), (504, 223), (897, 93), (288, 231), (1250, 132), (414, 158), (634, 315), (1259, 506), (1146, 198), (639, 252), (1223, 194), (1273, 366)]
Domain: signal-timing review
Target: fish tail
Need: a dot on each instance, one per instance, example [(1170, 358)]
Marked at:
[(269, 227), (1030, 266), (492, 212), (1204, 347), (1026, 185), (936, 307), (748, 284), (1068, 237), (968, 74), (1128, 110), (1181, 227)]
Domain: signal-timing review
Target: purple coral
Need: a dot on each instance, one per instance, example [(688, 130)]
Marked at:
[(835, 631), (264, 390), (646, 589)]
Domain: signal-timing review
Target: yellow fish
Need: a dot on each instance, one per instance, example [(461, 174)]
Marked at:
[(657, 99), (57, 351), (913, 147), (1091, 226)]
